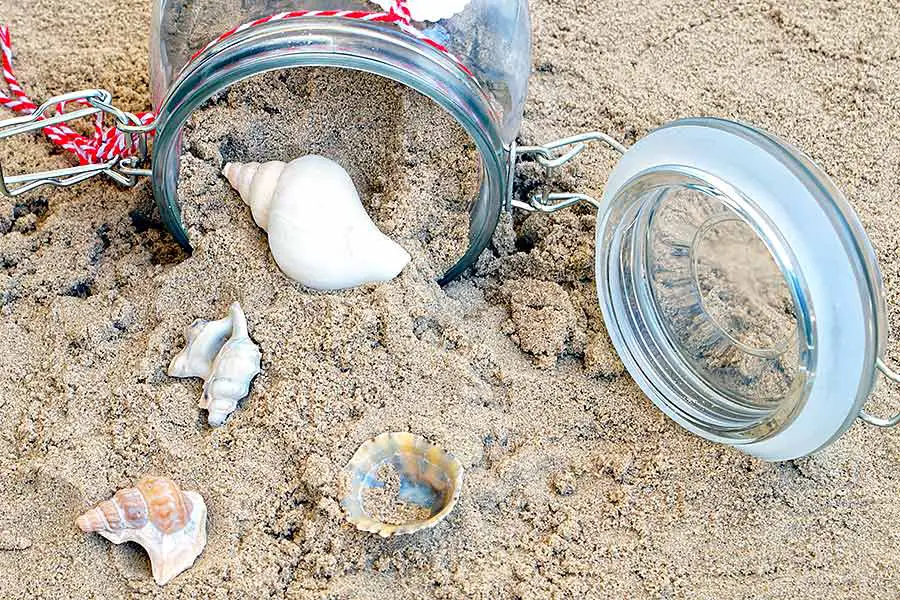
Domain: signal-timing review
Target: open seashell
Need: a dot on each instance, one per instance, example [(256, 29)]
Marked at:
[(204, 341), (319, 232), (234, 367), (399, 483), (168, 523)]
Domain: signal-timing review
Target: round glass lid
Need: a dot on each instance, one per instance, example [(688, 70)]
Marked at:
[(738, 287)]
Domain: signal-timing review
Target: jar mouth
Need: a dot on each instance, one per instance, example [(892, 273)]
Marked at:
[(341, 43)]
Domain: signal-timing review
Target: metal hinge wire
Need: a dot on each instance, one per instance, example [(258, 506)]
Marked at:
[(123, 170), (549, 157), (894, 376)]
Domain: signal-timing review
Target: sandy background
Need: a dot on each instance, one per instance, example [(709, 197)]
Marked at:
[(576, 485)]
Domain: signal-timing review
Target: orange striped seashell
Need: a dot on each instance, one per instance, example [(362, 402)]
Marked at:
[(168, 508), (155, 499), (126, 510), (168, 523)]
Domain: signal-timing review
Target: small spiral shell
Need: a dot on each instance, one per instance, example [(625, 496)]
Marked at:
[(234, 368), (155, 514), (256, 184), (154, 499)]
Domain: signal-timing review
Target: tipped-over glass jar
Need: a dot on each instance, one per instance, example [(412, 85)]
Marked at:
[(472, 58), (735, 280)]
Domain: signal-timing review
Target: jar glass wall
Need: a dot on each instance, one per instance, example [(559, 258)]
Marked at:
[(474, 64)]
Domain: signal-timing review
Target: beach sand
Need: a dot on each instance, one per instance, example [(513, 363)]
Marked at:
[(576, 485)]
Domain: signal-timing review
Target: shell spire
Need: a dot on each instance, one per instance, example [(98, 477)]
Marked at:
[(232, 371), (127, 509), (168, 523), (255, 182)]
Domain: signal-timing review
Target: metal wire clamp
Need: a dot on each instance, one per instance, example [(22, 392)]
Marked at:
[(552, 156), (893, 421), (124, 171)]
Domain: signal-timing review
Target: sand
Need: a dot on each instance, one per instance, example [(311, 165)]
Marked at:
[(385, 503), (576, 485), (416, 170)]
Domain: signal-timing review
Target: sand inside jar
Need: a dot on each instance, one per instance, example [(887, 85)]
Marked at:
[(415, 168)]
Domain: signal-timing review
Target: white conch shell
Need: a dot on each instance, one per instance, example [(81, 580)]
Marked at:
[(319, 232), (204, 340), (427, 10), (168, 523), (235, 366)]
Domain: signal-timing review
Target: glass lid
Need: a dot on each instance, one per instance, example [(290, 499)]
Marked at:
[(739, 287)]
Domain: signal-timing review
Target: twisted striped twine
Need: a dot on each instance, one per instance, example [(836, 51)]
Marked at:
[(105, 144), (398, 14)]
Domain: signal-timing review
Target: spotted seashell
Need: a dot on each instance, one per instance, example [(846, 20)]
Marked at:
[(426, 484)]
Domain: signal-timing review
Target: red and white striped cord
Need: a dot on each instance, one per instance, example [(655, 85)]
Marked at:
[(105, 144), (108, 143)]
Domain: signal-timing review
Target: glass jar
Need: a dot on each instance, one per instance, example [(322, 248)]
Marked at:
[(474, 63), (735, 280), (740, 289)]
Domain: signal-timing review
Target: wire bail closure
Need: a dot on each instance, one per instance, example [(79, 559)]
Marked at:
[(124, 170), (888, 422), (549, 157)]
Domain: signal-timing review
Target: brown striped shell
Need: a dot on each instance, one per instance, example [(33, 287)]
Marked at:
[(155, 499)]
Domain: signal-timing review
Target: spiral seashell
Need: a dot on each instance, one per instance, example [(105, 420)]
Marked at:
[(227, 367), (126, 510), (168, 523), (204, 340), (415, 485), (319, 232), (235, 366)]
